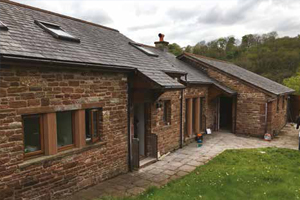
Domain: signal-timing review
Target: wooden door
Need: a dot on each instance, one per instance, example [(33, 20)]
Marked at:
[(135, 153)]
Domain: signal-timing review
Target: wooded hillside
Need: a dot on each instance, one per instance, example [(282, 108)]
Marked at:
[(268, 55)]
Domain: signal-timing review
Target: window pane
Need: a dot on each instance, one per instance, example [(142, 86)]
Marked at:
[(95, 124), (32, 135), (88, 126), (64, 128), (60, 32)]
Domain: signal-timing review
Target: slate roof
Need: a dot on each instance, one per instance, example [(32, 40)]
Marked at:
[(98, 44), (243, 74), (194, 75)]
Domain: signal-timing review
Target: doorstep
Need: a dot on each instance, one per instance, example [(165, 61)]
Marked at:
[(147, 161)]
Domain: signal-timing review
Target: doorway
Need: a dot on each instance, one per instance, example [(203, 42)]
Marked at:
[(225, 110), (139, 128), (144, 143)]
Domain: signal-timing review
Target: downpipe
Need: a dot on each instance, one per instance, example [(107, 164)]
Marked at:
[(181, 121)]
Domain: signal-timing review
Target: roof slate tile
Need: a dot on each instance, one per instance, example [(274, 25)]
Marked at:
[(243, 74)]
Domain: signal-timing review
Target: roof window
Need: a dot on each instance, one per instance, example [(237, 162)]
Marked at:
[(56, 31), (3, 26), (143, 49)]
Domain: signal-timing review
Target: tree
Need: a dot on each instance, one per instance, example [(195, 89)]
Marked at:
[(175, 49), (267, 54), (188, 49), (200, 48), (293, 82)]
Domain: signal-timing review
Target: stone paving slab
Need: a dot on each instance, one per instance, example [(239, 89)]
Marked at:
[(182, 162)]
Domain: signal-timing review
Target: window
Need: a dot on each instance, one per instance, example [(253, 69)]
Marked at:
[(56, 31), (143, 49), (201, 114), (283, 99), (93, 125), (278, 104), (167, 112), (3, 26), (33, 135), (65, 130)]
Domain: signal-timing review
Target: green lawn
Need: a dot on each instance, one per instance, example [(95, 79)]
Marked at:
[(268, 173)]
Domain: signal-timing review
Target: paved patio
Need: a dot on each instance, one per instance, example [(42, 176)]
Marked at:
[(181, 162)]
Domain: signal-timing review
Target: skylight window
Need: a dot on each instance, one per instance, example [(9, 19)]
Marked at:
[(56, 31), (3, 26), (143, 49)]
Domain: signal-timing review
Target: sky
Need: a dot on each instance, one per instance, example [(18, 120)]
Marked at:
[(183, 22)]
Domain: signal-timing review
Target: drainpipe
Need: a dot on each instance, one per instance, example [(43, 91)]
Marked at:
[(235, 116), (129, 96), (266, 117), (181, 121)]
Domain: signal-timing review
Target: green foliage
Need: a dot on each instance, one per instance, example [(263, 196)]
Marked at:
[(268, 55), (188, 49), (256, 174), (293, 82), (175, 49)]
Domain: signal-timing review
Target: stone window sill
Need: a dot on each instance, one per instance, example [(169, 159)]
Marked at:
[(58, 156)]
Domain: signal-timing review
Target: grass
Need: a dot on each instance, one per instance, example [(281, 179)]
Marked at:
[(252, 174)]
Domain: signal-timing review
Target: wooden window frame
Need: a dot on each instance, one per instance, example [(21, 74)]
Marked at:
[(69, 146), (39, 152), (98, 115), (201, 114)]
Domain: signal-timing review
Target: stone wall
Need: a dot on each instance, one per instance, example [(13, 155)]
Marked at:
[(250, 105), (51, 177), (168, 135), (277, 115)]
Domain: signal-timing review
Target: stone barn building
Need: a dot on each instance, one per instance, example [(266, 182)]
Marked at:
[(81, 103), (259, 105)]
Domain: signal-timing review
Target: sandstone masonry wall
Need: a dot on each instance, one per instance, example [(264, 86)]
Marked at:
[(277, 115), (51, 177), (168, 135), (250, 105)]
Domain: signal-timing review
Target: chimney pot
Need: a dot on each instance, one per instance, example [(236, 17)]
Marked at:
[(161, 37), (161, 44)]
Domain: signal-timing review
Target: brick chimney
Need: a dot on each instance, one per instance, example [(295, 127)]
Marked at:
[(161, 44)]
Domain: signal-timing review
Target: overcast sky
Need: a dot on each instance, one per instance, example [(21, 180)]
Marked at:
[(184, 22)]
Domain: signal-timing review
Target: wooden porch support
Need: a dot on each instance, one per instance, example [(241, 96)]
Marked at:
[(189, 117), (197, 115), (50, 133), (79, 128)]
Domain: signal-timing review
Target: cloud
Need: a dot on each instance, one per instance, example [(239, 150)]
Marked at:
[(237, 13), (181, 14), (145, 9), (85, 12), (183, 22), (78, 9), (96, 16), (287, 25), (147, 26)]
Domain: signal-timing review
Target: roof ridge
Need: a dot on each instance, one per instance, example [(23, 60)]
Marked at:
[(214, 59), (57, 14)]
